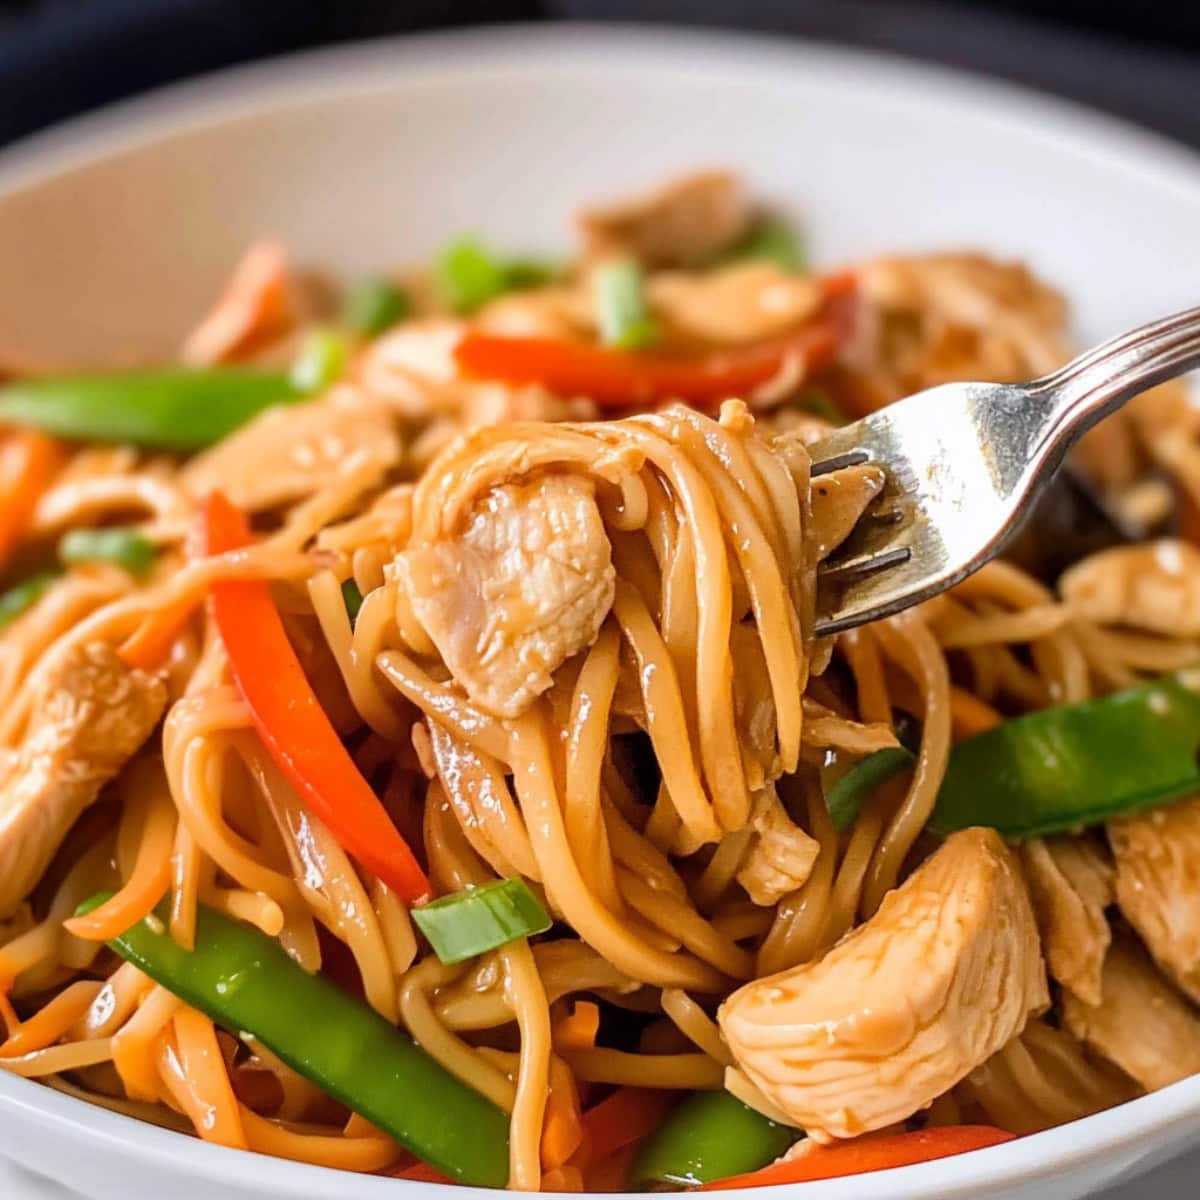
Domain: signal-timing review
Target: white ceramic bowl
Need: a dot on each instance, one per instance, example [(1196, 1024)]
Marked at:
[(115, 229)]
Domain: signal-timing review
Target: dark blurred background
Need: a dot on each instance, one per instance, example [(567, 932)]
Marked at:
[(1138, 59)]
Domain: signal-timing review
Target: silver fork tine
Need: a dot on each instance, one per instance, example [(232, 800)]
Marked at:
[(963, 460)]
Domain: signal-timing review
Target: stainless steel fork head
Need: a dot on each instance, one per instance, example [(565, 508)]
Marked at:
[(964, 459)]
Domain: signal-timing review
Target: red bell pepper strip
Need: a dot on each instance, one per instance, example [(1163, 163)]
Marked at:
[(868, 1154), (624, 378), (290, 721)]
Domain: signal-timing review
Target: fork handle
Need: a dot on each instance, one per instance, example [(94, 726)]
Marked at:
[(1072, 399)]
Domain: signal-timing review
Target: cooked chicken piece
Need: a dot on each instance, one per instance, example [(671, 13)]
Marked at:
[(1155, 587), (1071, 884), (839, 499), (288, 452), (563, 313), (781, 854), (737, 303), (91, 715), (824, 727), (1042, 1078), (684, 222), (1158, 885), (1143, 1024), (944, 974), (526, 585), (944, 317)]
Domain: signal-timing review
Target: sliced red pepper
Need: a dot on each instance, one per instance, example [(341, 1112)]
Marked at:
[(291, 722), (625, 378), (868, 1154)]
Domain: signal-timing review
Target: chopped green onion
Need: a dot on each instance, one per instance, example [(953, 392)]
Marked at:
[(846, 795), (621, 308), (22, 596), (352, 598), (321, 360), (174, 409), (373, 305), (125, 547), (464, 924), (469, 274), (773, 239)]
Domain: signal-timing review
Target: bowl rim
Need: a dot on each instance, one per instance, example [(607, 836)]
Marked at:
[(435, 59)]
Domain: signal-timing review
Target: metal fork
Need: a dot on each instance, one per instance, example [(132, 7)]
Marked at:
[(964, 463)]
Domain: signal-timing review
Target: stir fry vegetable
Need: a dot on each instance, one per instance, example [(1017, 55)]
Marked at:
[(291, 722), (374, 305), (23, 596), (1077, 764), (125, 547), (321, 360), (621, 308), (246, 983), (172, 409), (352, 598), (1056, 769), (711, 1135), (869, 1154), (773, 239), (469, 275), (28, 462), (467, 923)]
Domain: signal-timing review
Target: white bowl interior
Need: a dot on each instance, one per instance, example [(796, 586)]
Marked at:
[(115, 231)]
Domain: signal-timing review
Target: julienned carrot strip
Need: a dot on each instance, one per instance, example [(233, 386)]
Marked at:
[(291, 722), (868, 1154), (969, 715), (191, 1066), (627, 1116), (421, 1172), (562, 1128), (146, 884), (29, 460), (148, 646), (578, 1030)]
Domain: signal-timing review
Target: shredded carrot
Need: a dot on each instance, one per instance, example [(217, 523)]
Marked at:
[(146, 884), (150, 643), (871, 1153), (29, 460), (578, 1029), (255, 307), (969, 715), (562, 1127), (627, 1116), (48, 1024), (611, 1173), (193, 1069), (347, 1152), (8, 1014), (563, 1179), (421, 1172)]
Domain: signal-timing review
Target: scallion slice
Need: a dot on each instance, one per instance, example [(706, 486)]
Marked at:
[(469, 275), (467, 923), (125, 547), (621, 308), (374, 305), (22, 596), (321, 360)]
